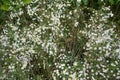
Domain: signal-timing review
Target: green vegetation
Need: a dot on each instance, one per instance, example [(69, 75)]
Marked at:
[(59, 40)]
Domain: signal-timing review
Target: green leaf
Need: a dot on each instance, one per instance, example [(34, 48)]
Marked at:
[(117, 1), (111, 1), (26, 1), (5, 7), (79, 65), (38, 77), (99, 2), (6, 2), (85, 2)]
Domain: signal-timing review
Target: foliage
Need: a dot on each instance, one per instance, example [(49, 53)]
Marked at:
[(59, 40), (13, 4)]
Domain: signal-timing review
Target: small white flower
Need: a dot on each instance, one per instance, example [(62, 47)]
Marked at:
[(75, 63), (112, 64), (23, 40), (78, 1), (76, 24), (24, 64)]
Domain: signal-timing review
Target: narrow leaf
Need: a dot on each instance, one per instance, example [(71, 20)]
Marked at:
[(85, 2), (111, 1), (26, 1), (5, 7)]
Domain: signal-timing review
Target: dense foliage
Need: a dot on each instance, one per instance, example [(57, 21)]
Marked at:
[(60, 40)]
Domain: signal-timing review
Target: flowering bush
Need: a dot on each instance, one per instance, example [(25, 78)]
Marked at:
[(59, 41)]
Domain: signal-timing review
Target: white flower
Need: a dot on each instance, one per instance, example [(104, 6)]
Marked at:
[(100, 59), (24, 64), (76, 24), (11, 67), (75, 63), (78, 1), (23, 39), (112, 64), (73, 76)]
